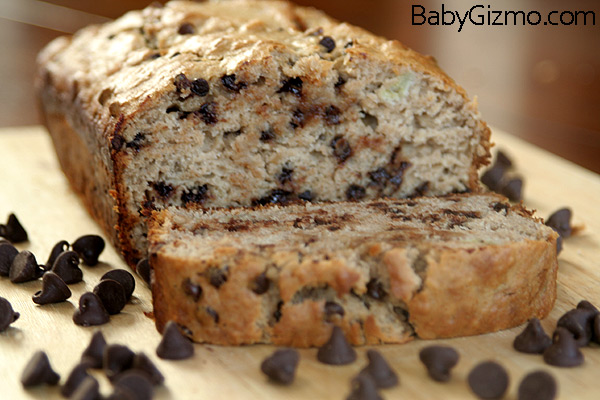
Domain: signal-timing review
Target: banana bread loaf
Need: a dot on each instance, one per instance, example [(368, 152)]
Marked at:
[(384, 270), (242, 102)]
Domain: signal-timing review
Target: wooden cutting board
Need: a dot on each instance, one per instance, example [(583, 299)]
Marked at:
[(32, 186)]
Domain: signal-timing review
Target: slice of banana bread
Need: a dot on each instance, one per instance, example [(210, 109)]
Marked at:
[(384, 270), (242, 102)]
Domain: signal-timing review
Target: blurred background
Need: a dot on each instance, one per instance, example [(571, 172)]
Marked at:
[(540, 83)]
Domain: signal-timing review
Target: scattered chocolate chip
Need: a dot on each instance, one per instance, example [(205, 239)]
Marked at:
[(380, 371), (88, 389), (24, 268), (277, 196), (13, 230), (173, 345), (586, 305), (492, 177), (217, 277), (277, 312), (134, 385), (328, 43), (285, 176), (89, 248), (200, 87), (306, 196), (503, 160), (124, 278), (229, 81), (375, 289), (91, 311), (8, 252), (332, 115), (162, 189), (380, 176), (75, 378), (66, 266), (7, 314), (181, 82), (57, 250), (297, 119), (112, 295), (38, 371), (292, 85), (142, 362), (337, 350), (137, 143), (533, 339), (513, 189), (595, 329), (488, 380), (560, 221), (191, 289), (267, 135), (332, 308), (538, 385), (341, 148), (116, 359), (564, 351), (94, 353), (363, 388), (355, 193), (143, 270), (579, 323), (501, 207), (439, 361), (54, 290), (281, 366), (420, 190), (186, 29), (340, 81), (261, 284), (195, 195)]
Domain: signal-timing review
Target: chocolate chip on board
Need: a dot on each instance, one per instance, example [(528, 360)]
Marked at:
[(533, 339), (142, 362), (560, 221), (54, 290), (513, 189), (143, 270), (564, 351), (488, 380), (38, 371), (89, 248), (124, 278), (112, 295), (363, 388), (439, 361), (337, 350), (281, 366), (134, 385), (579, 322), (116, 359), (492, 177), (91, 311), (383, 375), (7, 314), (75, 378), (174, 345), (56, 251), (66, 266), (587, 305), (595, 329), (94, 353), (89, 389), (24, 268), (13, 230), (8, 252), (538, 385)]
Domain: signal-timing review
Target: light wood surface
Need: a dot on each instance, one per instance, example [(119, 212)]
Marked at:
[(32, 186)]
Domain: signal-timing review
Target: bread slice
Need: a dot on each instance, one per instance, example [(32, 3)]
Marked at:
[(242, 102), (385, 270)]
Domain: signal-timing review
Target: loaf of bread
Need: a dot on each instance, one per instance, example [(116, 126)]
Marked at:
[(384, 270), (245, 102)]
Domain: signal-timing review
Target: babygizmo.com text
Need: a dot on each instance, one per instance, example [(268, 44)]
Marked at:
[(482, 15)]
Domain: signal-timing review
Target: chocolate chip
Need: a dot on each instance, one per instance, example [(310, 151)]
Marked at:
[(503, 160), (420, 190), (162, 189), (54, 290), (116, 359), (94, 353), (375, 289), (493, 177), (281, 366), (292, 85), (579, 323), (513, 189), (277, 196), (380, 176), (38, 371), (560, 221), (8, 252), (200, 87), (124, 278), (586, 305), (91, 311), (195, 195), (7, 314), (297, 119), (538, 385), (595, 329), (24, 268), (142, 362), (13, 230), (117, 142), (306, 195), (341, 148), (277, 312), (267, 135), (137, 143), (488, 380), (182, 83), (133, 385), (363, 388), (112, 295), (213, 314), (261, 284), (564, 351), (89, 248), (88, 389), (229, 81), (285, 176), (217, 277), (328, 43), (332, 115), (355, 193), (186, 29), (66, 266), (332, 309), (439, 361), (143, 270), (337, 350), (191, 289), (380, 371), (74, 380), (57, 250), (173, 345), (340, 81), (533, 339), (501, 207)]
